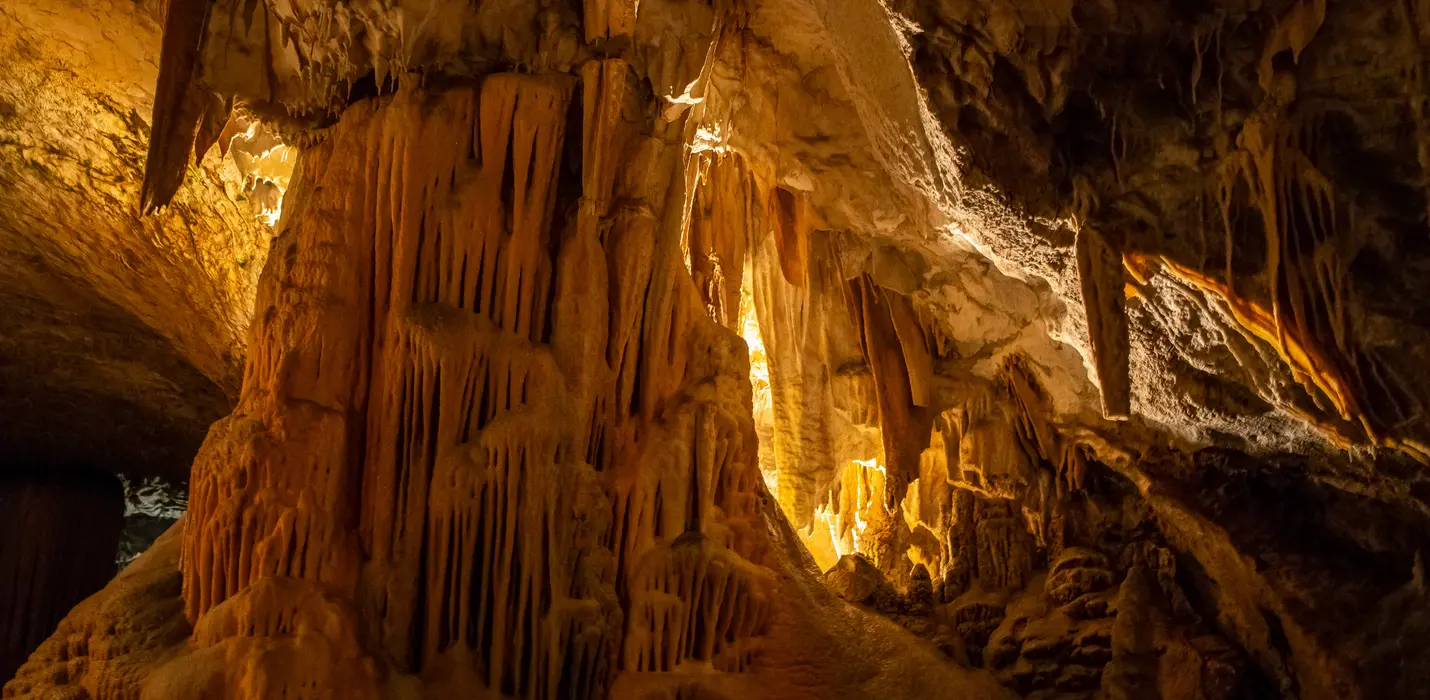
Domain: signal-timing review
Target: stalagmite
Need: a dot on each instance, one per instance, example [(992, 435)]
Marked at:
[(1132, 673), (792, 219)]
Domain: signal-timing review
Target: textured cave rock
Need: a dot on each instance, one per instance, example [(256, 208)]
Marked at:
[(445, 471), (1082, 353)]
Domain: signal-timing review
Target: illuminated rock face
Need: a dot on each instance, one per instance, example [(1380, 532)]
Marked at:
[(431, 431), (489, 440)]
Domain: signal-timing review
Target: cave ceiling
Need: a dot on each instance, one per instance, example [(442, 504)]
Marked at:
[(123, 335)]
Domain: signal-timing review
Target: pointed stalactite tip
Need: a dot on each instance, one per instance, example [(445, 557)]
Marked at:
[(178, 106)]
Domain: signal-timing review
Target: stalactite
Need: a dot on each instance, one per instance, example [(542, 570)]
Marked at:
[(792, 320), (213, 121), (793, 221), (913, 341), (992, 458), (178, 105), (1292, 33), (905, 425), (1072, 468), (581, 317), (1100, 270), (1033, 409), (717, 228)]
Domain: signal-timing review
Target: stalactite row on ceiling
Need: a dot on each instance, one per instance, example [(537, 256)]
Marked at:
[(1270, 178), (878, 489), (1272, 143)]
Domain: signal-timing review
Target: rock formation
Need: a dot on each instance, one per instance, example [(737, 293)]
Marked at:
[(1076, 344)]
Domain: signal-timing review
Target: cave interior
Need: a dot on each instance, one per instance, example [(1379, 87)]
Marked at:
[(714, 349)]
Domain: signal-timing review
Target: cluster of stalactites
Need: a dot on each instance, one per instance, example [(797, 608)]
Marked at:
[(693, 600), (403, 346), (511, 578), (459, 367), (1271, 181), (1010, 448), (933, 434), (991, 482), (478, 427)]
